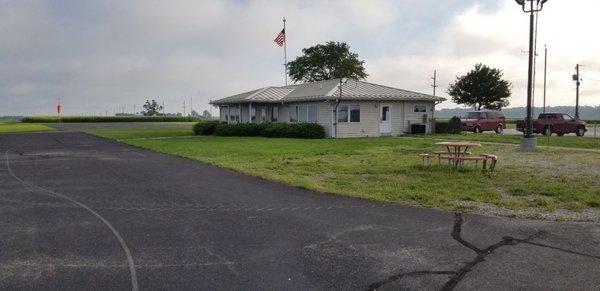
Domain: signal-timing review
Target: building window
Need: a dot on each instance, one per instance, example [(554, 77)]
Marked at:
[(293, 113), (302, 113), (224, 114), (420, 108), (312, 113), (349, 113), (384, 113), (274, 113), (263, 114), (354, 113), (342, 115), (253, 114)]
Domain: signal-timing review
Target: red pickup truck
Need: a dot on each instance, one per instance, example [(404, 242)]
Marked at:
[(559, 123)]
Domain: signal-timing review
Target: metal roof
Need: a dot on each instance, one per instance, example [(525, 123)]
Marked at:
[(327, 90)]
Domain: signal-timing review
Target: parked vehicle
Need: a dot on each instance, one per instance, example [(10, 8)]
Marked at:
[(559, 123), (485, 120)]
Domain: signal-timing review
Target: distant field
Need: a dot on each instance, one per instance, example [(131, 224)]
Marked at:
[(554, 183), (15, 127), (71, 119)]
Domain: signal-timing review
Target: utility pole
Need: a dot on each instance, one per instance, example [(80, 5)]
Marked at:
[(577, 82), (545, 69), (535, 55), (184, 107), (434, 78), (532, 7), (191, 107)]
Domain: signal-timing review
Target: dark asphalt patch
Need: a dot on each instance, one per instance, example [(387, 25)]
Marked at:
[(193, 226)]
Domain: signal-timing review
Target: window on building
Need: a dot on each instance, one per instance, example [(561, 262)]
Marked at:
[(274, 113), (420, 108), (224, 114), (302, 113), (312, 113), (354, 113), (263, 114), (342, 113), (253, 114), (385, 113), (293, 114)]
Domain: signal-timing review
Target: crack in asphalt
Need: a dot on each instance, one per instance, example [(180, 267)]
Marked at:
[(481, 253), (457, 276), (376, 285)]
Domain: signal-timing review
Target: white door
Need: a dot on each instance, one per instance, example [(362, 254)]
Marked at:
[(385, 119)]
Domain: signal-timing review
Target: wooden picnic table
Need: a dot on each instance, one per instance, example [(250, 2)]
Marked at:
[(456, 149)]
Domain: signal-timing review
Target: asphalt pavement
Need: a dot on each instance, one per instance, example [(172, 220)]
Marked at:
[(80, 212)]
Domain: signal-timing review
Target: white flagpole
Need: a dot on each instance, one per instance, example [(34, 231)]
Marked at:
[(285, 51)]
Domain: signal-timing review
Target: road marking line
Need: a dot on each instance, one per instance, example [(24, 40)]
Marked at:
[(130, 262)]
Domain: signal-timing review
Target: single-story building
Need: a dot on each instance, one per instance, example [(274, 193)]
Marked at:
[(346, 108)]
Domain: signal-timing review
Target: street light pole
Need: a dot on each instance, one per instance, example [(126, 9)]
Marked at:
[(529, 142)]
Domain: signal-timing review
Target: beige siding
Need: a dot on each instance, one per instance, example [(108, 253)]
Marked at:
[(411, 117), (368, 125), (402, 116), (324, 110), (397, 117)]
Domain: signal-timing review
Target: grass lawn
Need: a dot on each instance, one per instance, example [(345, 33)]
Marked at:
[(551, 183), (14, 126)]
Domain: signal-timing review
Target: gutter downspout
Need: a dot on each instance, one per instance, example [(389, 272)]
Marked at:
[(433, 116), (403, 120), (335, 113)]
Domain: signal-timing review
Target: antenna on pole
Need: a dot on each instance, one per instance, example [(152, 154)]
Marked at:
[(434, 78), (577, 83), (545, 74)]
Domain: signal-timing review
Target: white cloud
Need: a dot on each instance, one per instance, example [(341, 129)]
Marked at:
[(500, 39), (98, 56)]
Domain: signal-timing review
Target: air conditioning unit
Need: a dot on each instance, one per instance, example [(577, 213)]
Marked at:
[(416, 128)]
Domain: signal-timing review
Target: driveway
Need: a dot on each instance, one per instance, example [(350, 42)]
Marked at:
[(79, 212)]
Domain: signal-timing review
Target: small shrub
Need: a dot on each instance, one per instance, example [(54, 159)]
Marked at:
[(205, 127), (289, 130), (452, 126), (441, 126), (455, 125)]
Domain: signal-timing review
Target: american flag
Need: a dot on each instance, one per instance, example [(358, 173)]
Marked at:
[(280, 39)]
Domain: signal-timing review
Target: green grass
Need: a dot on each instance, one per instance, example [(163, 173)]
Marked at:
[(145, 133), (388, 169), (14, 127)]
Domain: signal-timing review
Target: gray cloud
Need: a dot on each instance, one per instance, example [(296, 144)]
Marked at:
[(100, 55)]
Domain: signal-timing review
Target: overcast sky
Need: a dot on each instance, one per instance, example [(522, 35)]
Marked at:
[(98, 56)]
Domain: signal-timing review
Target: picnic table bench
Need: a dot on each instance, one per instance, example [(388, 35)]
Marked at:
[(457, 153)]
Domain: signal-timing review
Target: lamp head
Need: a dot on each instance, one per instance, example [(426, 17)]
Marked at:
[(521, 2)]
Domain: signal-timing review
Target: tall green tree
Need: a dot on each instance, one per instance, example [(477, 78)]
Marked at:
[(482, 87), (327, 61), (151, 108)]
